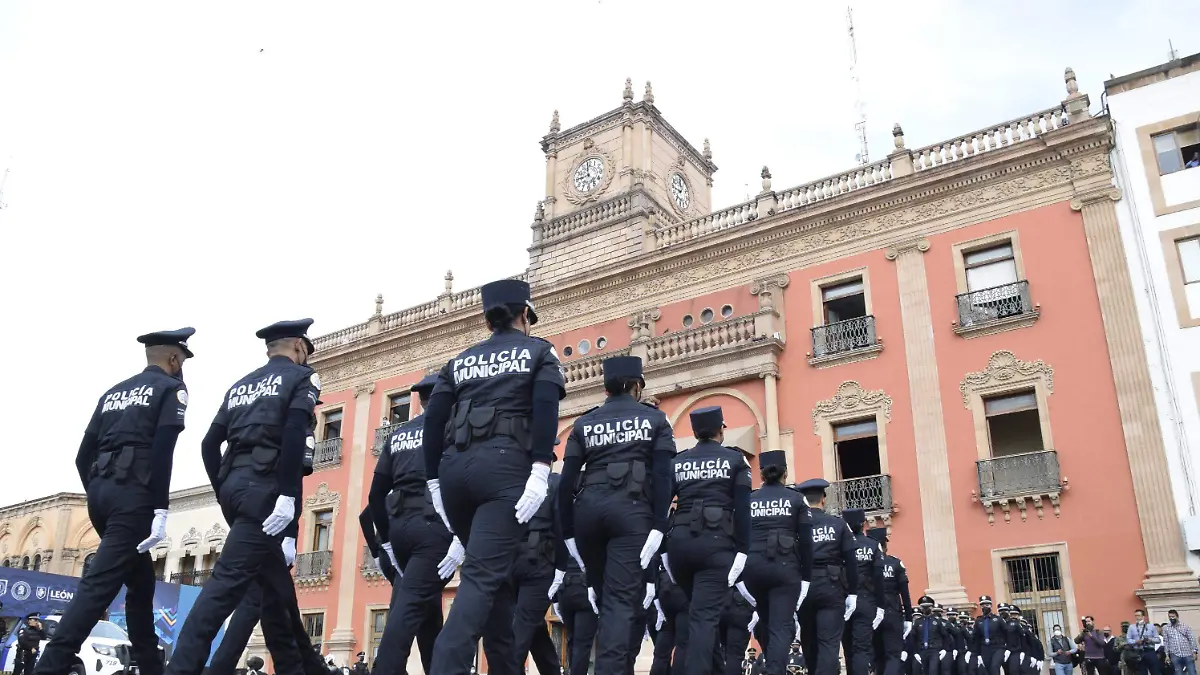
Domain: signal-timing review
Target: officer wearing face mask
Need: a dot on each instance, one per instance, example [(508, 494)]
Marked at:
[(833, 596), (266, 417), (958, 639), (858, 636), (930, 640), (1014, 640), (988, 639), (897, 606), (125, 464), (494, 411)]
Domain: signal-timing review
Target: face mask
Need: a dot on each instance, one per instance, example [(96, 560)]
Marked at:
[(1174, 621), (1107, 633), (1058, 633), (986, 610), (927, 611)]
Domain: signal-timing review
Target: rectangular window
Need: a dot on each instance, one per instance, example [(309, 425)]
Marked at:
[(990, 267), (333, 425), (160, 569), (314, 625), (321, 530), (398, 408), (1177, 149), (857, 446), (1014, 424), (844, 301), (1035, 584), (187, 564), (378, 622)]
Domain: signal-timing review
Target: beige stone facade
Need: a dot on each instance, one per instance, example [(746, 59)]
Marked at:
[(52, 534)]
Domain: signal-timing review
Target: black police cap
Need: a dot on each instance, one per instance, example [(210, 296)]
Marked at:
[(772, 458), (173, 338), (925, 600), (879, 534), (426, 385), (707, 419), (507, 292), (985, 599), (287, 329), (623, 368), (854, 517), (813, 485)]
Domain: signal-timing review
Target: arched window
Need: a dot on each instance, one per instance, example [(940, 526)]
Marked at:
[(37, 563), (6, 563), (25, 563), (87, 563)]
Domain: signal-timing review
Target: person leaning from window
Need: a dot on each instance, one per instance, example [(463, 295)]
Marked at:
[(1092, 642), (1061, 651), (1180, 645), (1143, 639), (1193, 162)]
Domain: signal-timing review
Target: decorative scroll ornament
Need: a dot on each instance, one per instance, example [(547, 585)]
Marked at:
[(1003, 366), (851, 396)]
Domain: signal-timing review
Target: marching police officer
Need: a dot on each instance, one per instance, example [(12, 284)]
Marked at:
[(988, 639), (573, 605), (418, 545), (265, 417), (931, 642), (779, 568), (671, 605), (533, 575), (834, 594), (626, 449), (858, 637), (367, 526), (1014, 641), (706, 550), (124, 463), (497, 405), (897, 609), (959, 639), (738, 619)]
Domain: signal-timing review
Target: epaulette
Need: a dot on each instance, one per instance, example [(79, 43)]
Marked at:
[(648, 404)]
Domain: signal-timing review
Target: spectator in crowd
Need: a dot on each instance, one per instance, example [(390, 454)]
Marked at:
[(1061, 652), (1110, 651), (1092, 643), (1194, 161), (1144, 640), (1180, 645)]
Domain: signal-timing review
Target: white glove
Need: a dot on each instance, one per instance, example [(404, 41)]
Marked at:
[(559, 575), (903, 656), (753, 623), (980, 660), (735, 570), (803, 594), (592, 601), (1032, 662), (391, 556), (954, 654), (851, 604), (967, 658), (653, 543), (535, 493), (741, 588), (662, 618), (289, 550), (454, 558), (1021, 658), (917, 657), (435, 494), (667, 567), (377, 564), (907, 628), (797, 622), (574, 551), (284, 513), (555, 608), (878, 618), (158, 531), (942, 654), (1007, 653), (649, 596)]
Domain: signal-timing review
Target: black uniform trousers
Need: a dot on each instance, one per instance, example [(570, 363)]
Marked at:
[(775, 585), (637, 633), (419, 542), (734, 632), (24, 659), (700, 563), (121, 513), (249, 557), (858, 637), (480, 489), (821, 621), (889, 643), (580, 621), (288, 642), (993, 658), (611, 527), (533, 575), (930, 663), (673, 634), (1013, 664)]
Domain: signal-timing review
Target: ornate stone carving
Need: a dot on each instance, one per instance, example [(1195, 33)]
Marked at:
[(765, 289), (648, 97), (568, 182), (1004, 367), (851, 397), (215, 534), (920, 245), (627, 95), (1108, 192), (555, 127), (191, 537), (322, 497), (642, 324), (367, 389)]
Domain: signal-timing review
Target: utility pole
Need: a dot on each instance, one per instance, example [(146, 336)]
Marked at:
[(860, 126)]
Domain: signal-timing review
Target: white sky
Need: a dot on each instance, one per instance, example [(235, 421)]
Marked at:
[(228, 164)]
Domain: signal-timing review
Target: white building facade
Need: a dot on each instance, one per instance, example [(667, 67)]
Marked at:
[(1156, 161), (196, 533)]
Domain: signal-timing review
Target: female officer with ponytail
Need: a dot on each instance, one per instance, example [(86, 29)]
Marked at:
[(488, 445)]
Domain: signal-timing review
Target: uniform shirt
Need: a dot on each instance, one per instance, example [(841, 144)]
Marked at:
[(1014, 640), (930, 633), (777, 510), (401, 460), (958, 637), (868, 553), (895, 585), (709, 475), (833, 546), (989, 633)]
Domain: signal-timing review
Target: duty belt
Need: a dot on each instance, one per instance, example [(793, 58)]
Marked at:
[(471, 424), (630, 475), (700, 517), (261, 458), (124, 463), (777, 542), (537, 544)]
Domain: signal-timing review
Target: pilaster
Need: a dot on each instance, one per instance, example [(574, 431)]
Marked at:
[(933, 467), (1169, 582), (771, 393)]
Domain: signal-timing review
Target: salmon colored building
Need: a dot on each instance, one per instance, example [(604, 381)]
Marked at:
[(946, 335)]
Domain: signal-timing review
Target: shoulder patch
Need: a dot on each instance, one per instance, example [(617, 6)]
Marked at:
[(310, 442), (554, 352), (901, 563), (182, 396), (315, 379)]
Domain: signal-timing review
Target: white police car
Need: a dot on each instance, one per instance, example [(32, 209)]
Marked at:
[(99, 655)]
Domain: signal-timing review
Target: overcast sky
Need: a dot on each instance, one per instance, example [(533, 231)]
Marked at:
[(228, 164)]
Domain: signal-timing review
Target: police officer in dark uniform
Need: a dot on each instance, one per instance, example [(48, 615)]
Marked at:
[(858, 637), (931, 642), (710, 536), (671, 604), (574, 607), (779, 568), (533, 575), (497, 405), (625, 449), (382, 562), (265, 417), (834, 593), (125, 463), (988, 639), (959, 639), (897, 609), (1014, 641)]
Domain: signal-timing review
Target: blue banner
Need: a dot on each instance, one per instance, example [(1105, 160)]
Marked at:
[(23, 592)]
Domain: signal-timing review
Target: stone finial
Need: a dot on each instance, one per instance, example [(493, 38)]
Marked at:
[(540, 214), (449, 278), (379, 304), (555, 127), (628, 93), (766, 179), (1072, 85), (707, 150), (648, 97), (898, 136), (1076, 104)]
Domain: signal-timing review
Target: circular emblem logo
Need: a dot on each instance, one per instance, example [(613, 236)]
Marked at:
[(310, 442), (316, 380), (182, 396), (21, 591)]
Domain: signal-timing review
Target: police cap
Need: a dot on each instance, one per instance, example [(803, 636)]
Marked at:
[(854, 518), (772, 458), (506, 292), (173, 338), (879, 534), (925, 600), (985, 599), (813, 485), (425, 387), (623, 368), (950, 611), (707, 419), (287, 329), (1013, 609)]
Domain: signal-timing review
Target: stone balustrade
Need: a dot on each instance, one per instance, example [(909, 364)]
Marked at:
[(990, 138), (677, 233), (592, 215), (833, 186)]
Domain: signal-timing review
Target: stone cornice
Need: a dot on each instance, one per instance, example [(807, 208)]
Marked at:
[(43, 504), (197, 497)]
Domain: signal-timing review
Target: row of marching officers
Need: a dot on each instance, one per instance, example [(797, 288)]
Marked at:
[(469, 483)]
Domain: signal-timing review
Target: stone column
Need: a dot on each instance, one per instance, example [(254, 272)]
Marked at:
[(1169, 582), (933, 467), (771, 387), (341, 641)]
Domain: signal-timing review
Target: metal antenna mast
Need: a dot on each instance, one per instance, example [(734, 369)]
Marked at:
[(860, 127)]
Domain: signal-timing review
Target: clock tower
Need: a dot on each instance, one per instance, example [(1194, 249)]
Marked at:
[(610, 182)]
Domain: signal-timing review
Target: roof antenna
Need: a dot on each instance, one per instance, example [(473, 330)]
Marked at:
[(860, 127)]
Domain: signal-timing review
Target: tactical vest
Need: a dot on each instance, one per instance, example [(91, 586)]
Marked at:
[(774, 513), (615, 443), (255, 411), (893, 573), (705, 477), (126, 420), (865, 551), (539, 543)]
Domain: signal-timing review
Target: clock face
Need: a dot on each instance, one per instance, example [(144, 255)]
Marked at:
[(588, 175), (680, 193)]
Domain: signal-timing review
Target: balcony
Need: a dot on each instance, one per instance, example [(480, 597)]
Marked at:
[(193, 578), (844, 342), (381, 437), (991, 310), (1031, 477), (328, 453), (872, 494), (369, 569), (314, 568)]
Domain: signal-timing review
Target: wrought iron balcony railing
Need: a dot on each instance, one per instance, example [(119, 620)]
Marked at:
[(327, 453), (872, 494), (193, 578), (313, 566), (1030, 473), (993, 304), (369, 568), (381, 437), (843, 336)]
